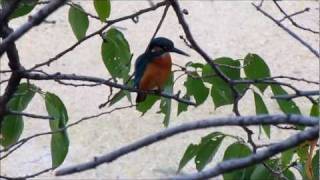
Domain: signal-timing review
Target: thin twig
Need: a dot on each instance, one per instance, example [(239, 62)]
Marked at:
[(292, 21), (297, 95), (30, 115), (294, 35)]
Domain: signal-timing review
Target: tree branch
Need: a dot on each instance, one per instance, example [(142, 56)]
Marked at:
[(215, 122), (15, 66), (59, 76), (300, 94)]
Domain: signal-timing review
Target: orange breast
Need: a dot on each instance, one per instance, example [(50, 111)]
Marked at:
[(156, 73)]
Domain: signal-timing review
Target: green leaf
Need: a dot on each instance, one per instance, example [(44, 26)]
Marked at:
[(315, 165), (59, 140), (12, 125), (182, 107), (302, 151), (59, 148), (261, 108), (195, 65), (221, 93), (315, 110), (230, 67), (116, 54), (11, 130), (256, 68), (261, 173), (289, 174), (117, 97), (190, 153), (286, 157), (165, 104), (57, 110), (286, 106), (197, 89), (120, 94), (103, 8), (78, 20), (147, 104), (24, 7), (208, 73), (237, 150), (207, 149)]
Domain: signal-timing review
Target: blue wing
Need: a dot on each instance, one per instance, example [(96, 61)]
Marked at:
[(141, 65), (139, 68)]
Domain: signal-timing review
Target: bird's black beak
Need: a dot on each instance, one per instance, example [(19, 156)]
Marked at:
[(179, 52)]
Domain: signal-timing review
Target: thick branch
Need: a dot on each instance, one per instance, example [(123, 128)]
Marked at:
[(15, 66), (260, 156), (229, 121), (7, 10)]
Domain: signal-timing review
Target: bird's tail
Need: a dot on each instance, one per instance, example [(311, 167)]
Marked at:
[(141, 97)]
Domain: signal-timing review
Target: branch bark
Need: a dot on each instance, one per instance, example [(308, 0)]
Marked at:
[(215, 122)]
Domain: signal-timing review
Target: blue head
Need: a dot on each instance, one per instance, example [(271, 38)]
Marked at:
[(163, 45)]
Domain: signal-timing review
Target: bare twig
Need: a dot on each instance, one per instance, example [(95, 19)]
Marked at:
[(294, 35), (295, 13), (159, 24), (292, 21), (28, 176), (30, 115), (293, 79), (297, 95)]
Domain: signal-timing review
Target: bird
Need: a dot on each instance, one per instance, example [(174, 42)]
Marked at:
[(153, 67)]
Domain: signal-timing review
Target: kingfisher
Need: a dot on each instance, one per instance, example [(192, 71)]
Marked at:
[(153, 67)]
